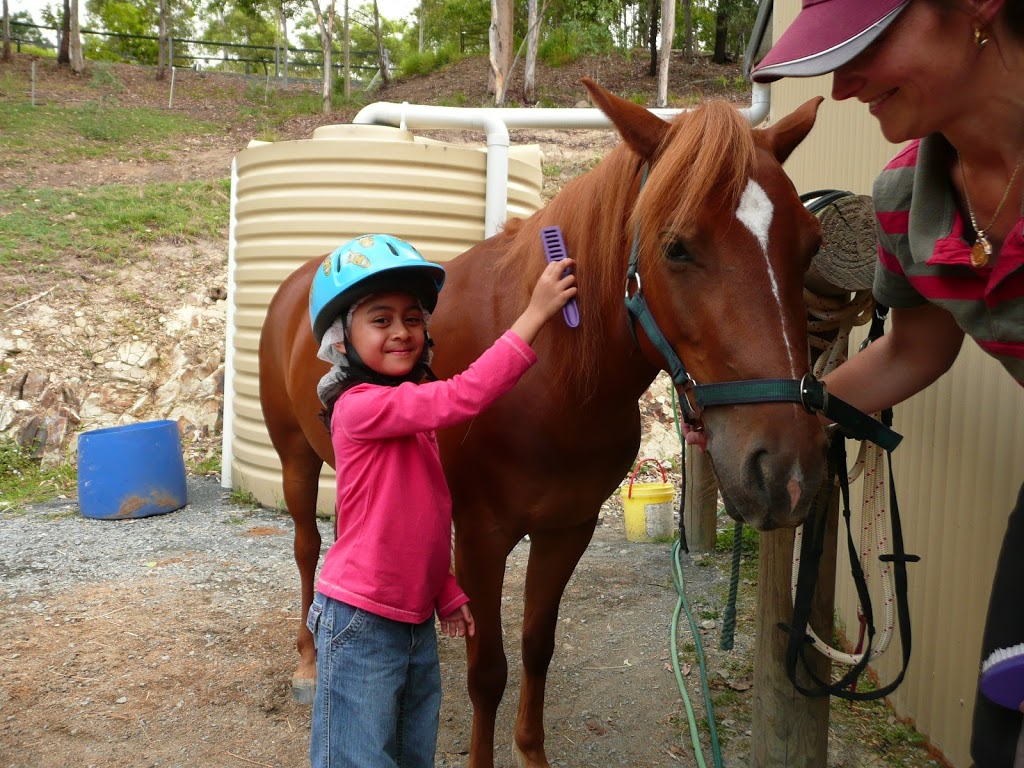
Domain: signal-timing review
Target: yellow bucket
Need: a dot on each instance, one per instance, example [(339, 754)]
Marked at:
[(647, 507)]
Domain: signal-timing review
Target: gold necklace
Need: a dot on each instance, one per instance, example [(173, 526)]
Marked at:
[(982, 248)]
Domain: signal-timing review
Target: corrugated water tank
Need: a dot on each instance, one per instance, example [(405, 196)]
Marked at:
[(298, 199)]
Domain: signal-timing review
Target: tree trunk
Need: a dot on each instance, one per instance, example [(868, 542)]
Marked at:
[(532, 40), (63, 55), (382, 57), (500, 38), (721, 33), (346, 52), (6, 55), (422, 17), (326, 41), (668, 30), (284, 45), (652, 37), (162, 33), (75, 47), (688, 16)]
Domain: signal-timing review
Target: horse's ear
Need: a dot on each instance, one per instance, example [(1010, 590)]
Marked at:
[(786, 135), (641, 130)]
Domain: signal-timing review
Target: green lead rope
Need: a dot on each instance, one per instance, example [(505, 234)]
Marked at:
[(682, 605), (729, 618)]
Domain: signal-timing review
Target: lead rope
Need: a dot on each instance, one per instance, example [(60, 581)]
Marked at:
[(833, 315)]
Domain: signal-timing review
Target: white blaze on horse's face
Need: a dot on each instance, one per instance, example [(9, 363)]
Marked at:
[(755, 213)]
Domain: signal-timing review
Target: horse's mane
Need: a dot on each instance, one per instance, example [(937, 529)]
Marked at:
[(704, 159)]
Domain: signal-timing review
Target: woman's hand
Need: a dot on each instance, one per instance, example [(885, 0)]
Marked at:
[(695, 437)]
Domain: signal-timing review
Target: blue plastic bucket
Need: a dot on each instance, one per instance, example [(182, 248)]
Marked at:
[(135, 470)]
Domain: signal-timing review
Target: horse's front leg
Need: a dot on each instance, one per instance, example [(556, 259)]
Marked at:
[(300, 475), (480, 565), (553, 558)]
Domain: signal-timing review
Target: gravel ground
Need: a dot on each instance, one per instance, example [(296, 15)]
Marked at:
[(50, 546)]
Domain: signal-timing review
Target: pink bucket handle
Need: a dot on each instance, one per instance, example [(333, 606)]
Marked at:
[(632, 477)]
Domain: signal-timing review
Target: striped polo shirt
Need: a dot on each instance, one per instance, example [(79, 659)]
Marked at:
[(923, 255)]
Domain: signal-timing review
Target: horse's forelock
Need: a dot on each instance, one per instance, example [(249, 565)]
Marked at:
[(706, 158)]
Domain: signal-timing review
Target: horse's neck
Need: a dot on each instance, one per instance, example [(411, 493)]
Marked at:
[(594, 210)]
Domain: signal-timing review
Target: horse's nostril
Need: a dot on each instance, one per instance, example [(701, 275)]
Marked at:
[(758, 470)]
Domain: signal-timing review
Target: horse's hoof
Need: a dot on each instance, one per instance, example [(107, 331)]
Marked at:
[(303, 690)]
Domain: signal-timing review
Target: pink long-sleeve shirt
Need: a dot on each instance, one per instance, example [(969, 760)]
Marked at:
[(392, 557)]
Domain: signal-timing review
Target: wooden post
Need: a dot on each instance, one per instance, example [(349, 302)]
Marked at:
[(790, 730), (701, 503)]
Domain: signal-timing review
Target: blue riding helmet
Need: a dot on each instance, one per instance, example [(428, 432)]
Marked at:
[(366, 265)]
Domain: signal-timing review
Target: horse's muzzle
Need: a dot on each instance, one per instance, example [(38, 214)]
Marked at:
[(769, 479)]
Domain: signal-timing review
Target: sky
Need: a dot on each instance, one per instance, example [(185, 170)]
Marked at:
[(392, 9)]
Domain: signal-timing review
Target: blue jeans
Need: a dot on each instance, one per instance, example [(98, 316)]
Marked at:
[(378, 691)]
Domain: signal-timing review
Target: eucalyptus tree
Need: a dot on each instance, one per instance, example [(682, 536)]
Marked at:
[(500, 42), (262, 24), (132, 29), (454, 24), (6, 55), (30, 35), (253, 24), (723, 26), (325, 21), (75, 56)]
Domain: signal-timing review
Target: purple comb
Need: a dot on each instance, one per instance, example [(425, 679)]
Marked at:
[(554, 250)]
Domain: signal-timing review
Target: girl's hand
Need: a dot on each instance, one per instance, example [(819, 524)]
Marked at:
[(550, 294), (552, 290), (458, 623)]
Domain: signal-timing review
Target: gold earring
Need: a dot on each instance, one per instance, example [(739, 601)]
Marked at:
[(980, 36)]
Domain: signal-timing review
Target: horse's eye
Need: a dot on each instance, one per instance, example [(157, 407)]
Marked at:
[(675, 250)]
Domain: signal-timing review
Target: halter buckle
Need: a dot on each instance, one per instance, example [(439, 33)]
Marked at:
[(813, 395), (693, 412), (635, 276)]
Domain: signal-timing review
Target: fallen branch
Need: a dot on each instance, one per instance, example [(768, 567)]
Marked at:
[(247, 760), (27, 301)]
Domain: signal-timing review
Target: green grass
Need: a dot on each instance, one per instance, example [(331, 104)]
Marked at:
[(245, 499), (50, 228), (750, 540), (23, 480), (208, 466), (427, 61), (89, 132)]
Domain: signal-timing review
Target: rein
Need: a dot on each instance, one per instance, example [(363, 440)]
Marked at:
[(694, 397)]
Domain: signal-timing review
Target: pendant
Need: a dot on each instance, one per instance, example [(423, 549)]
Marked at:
[(980, 251)]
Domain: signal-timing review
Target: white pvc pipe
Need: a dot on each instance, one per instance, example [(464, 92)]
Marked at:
[(228, 420), (425, 117), (497, 121)]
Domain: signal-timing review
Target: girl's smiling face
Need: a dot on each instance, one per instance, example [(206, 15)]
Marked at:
[(388, 331), (915, 76)]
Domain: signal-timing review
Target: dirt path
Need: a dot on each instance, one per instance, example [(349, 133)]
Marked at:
[(168, 641)]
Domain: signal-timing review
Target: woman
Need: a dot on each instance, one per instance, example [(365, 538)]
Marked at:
[(947, 76)]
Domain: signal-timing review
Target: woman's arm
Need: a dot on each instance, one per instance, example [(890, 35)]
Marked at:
[(921, 345)]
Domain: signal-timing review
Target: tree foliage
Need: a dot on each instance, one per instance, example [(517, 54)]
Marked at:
[(27, 35)]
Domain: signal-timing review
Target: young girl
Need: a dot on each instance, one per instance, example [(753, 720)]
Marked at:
[(378, 691)]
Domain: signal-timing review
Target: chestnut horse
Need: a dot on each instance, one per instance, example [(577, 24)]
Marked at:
[(722, 244)]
